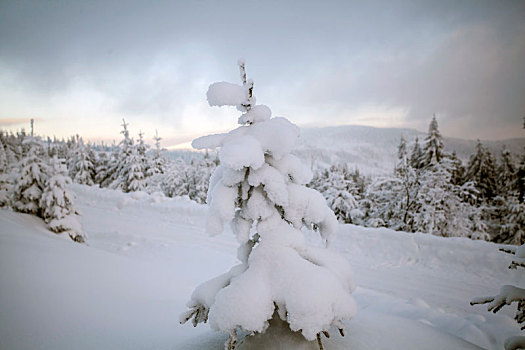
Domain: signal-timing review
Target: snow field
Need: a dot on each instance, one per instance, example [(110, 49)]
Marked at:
[(146, 253)]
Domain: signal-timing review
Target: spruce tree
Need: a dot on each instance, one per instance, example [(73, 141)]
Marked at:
[(506, 174), (433, 150), (481, 171), (158, 162), (520, 175), (402, 156), (3, 158), (102, 169), (133, 169), (457, 171), (512, 228), (57, 204), (83, 169), (31, 180), (416, 155), (11, 148), (259, 188), (6, 187), (339, 198), (119, 166), (142, 150)]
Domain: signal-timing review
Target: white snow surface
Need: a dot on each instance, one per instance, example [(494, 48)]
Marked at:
[(146, 253)]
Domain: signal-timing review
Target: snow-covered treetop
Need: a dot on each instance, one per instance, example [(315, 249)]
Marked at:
[(256, 157)]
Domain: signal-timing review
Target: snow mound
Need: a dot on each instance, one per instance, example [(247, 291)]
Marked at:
[(414, 289)]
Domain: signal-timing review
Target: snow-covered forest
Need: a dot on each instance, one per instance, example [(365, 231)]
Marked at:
[(429, 190)]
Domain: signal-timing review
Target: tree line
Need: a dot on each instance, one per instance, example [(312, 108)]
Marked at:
[(432, 191), (429, 190), (35, 174)]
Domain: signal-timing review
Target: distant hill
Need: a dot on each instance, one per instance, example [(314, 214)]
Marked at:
[(372, 150)]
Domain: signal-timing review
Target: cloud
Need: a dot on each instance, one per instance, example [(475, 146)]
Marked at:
[(151, 62), (472, 76)]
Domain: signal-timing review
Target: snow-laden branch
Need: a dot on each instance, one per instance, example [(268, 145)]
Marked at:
[(507, 295), (513, 343)]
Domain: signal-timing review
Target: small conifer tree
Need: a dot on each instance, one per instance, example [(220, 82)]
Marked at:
[(259, 188), (31, 180), (57, 204)]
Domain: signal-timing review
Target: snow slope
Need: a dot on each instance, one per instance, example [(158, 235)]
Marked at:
[(126, 289)]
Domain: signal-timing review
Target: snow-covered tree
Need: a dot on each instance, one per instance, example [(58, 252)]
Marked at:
[(102, 174), (120, 165), (481, 170), (508, 295), (173, 181), (31, 180), (158, 162), (394, 200), (457, 171), (506, 173), (3, 158), (111, 169), (520, 180), (82, 170), (512, 229), (340, 199), (416, 155), (343, 190), (57, 205), (6, 187), (12, 149), (186, 179), (382, 203), (402, 157), (133, 168), (402, 152), (259, 188), (433, 149), (142, 149), (199, 178), (439, 203)]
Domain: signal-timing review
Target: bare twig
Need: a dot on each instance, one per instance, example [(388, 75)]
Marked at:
[(319, 342)]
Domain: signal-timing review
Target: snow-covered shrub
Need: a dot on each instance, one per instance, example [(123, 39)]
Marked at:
[(57, 204), (259, 189)]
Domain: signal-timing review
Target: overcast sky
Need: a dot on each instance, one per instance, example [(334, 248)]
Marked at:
[(82, 66)]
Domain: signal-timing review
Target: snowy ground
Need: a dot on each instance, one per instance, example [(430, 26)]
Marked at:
[(126, 289)]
